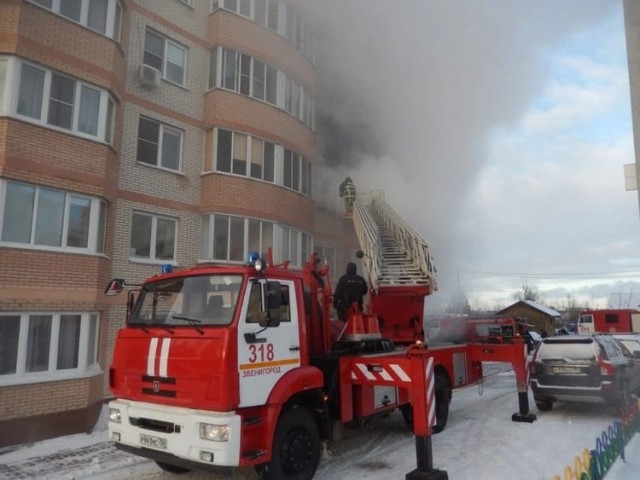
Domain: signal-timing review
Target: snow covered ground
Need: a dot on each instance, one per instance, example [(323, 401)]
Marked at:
[(480, 442)]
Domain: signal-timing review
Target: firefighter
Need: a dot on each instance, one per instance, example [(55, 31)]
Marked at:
[(348, 194), (351, 288)]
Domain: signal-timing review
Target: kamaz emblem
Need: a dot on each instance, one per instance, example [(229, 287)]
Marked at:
[(156, 386)]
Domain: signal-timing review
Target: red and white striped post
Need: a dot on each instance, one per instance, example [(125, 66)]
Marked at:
[(423, 401)]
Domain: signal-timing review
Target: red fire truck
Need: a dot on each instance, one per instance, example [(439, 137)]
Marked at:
[(608, 321), (223, 366)]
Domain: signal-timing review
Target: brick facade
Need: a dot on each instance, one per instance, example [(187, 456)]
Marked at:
[(40, 281)]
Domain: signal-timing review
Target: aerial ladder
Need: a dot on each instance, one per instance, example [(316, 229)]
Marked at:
[(401, 270)]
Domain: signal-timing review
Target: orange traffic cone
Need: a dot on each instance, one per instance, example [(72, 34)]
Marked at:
[(355, 326)]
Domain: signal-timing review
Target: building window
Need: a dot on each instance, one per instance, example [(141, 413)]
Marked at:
[(153, 237), (231, 238), (242, 154), (64, 103), (166, 56), (268, 14), (292, 98), (46, 346), (296, 172), (244, 74), (159, 144), (52, 219), (327, 255), (102, 16), (290, 248), (273, 7), (4, 66)]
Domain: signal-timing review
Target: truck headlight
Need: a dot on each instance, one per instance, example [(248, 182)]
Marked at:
[(215, 433), (114, 415)]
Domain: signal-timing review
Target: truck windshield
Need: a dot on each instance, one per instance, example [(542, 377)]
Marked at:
[(200, 300)]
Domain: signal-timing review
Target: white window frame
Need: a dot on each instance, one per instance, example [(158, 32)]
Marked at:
[(249, 150), (105, 97), (300, 35), (167, 42), (152, 245), (113, 19), (305, 176), (5, 75), (328, 253), (86, 367), (281, 234), (208, 237), (289, 95), (95, 218), (162, 128)]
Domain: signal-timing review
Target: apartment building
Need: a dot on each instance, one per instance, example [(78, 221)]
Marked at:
[(632, 33), (134, 134)]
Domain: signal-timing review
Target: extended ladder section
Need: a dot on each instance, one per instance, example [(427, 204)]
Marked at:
[(395, 254)]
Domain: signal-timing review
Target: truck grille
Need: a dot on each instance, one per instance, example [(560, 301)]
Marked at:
[(155, 425)]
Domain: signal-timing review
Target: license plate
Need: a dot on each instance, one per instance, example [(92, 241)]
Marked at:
[(153, 442), (567, 370)]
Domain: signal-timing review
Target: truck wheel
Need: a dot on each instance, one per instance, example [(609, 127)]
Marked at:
[(167, 467), (443, 398), (296, 447)]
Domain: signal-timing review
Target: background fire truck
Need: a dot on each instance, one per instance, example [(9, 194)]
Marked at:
[(220, 367), (608, 321)]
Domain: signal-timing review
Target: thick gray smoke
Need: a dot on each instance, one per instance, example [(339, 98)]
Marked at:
[(411, 90)]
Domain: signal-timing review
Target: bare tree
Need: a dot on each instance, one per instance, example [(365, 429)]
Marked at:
[(572, 309), (622, 299), (528, 293)]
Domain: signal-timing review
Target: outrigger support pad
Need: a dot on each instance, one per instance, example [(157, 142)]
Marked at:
[(524, 415), (424, 454)]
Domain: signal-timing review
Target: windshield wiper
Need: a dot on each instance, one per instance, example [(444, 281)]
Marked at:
[(191, 321), (140, 326)]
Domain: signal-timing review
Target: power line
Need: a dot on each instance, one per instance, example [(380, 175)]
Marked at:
[(552, 275)]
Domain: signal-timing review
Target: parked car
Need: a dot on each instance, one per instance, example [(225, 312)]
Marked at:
[(630, 344), (581, 368)]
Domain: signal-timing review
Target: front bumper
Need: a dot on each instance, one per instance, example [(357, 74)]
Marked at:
[(172, 434), (604, 393)]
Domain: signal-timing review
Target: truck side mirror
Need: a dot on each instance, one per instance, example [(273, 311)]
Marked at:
[(114, 287)]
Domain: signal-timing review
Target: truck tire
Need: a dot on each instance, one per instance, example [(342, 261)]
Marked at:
[(443, 399), (167, 467), (296, 447)]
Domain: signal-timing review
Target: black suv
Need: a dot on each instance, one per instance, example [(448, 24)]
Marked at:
[(582, 369)]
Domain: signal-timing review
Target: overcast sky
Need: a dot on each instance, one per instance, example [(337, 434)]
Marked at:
[(498, 128)]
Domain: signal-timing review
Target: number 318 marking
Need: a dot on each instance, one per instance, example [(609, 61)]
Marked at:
[(261, 353)]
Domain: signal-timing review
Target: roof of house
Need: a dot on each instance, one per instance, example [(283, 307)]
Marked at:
[(546, 310)]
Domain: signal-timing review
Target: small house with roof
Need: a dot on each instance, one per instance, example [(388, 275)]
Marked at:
[(533, 316)]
